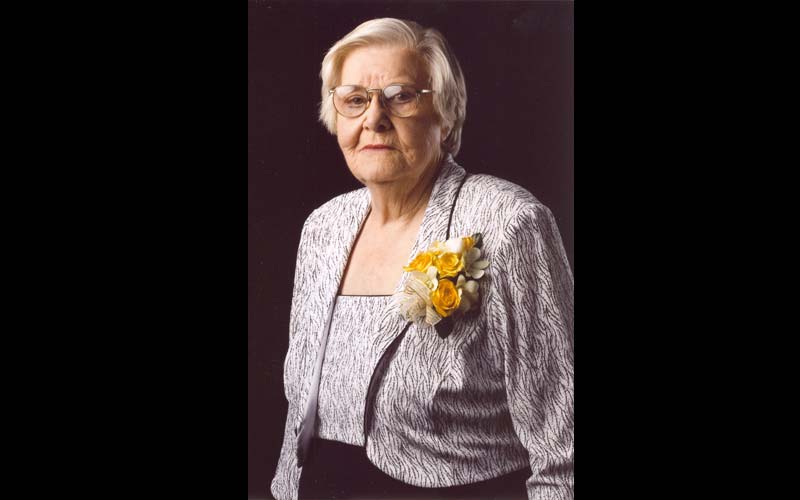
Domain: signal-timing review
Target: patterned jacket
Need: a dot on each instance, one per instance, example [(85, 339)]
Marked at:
[(491, 398)]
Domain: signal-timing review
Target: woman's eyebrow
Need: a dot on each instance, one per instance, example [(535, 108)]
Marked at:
[(406, 81)]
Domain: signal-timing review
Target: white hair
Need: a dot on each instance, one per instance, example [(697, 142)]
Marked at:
[(446, 79)]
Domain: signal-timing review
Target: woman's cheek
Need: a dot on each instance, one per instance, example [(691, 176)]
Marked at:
[(347, 135)]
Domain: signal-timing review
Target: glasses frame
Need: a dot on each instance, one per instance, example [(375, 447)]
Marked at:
[(381, 98)]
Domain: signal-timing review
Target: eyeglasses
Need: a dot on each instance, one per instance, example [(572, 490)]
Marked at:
[(399, 100)]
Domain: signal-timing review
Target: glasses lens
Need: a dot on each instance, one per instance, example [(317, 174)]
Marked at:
[(401, 101), (350, 100)]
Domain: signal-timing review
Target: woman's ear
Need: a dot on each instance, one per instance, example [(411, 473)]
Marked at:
[(445, 133)]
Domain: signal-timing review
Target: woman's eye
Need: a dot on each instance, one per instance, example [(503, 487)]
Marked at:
[(355, 101), (403, 97)]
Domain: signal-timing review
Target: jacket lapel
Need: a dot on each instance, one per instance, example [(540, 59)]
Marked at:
[(336, 243), (343, 238)]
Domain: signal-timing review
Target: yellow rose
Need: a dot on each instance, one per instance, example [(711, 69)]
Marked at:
[(446, 298), (421, 262), (449, 264)]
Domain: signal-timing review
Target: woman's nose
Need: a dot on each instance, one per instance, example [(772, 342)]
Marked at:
[(376, 118)]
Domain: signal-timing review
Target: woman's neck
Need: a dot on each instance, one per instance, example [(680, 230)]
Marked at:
[(400, 203)]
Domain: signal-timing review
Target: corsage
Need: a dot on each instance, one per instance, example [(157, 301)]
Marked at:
[(443, 282)]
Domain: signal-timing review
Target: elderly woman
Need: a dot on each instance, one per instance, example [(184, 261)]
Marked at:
[(430, 344)]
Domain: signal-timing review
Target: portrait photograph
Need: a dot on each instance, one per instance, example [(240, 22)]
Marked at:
[(410, 249), (374, 298)]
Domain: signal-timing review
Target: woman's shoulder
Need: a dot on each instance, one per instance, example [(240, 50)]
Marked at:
[(509, 217), (502, 188), (501, 199)]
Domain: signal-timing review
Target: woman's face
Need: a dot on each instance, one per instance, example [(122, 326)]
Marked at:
[(414, 142)]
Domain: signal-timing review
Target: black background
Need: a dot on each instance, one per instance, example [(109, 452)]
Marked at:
[(517, 58)]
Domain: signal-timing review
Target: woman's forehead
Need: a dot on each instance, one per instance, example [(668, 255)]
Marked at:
[(382, 65)]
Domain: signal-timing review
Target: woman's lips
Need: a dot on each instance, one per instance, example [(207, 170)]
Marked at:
[(376, 147)]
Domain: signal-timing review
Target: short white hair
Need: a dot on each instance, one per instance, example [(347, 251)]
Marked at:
[(446, 78)]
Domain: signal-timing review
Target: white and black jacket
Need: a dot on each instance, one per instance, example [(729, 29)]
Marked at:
[(494, 396)]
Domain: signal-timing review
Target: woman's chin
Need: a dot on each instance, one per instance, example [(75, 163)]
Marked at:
[(377, 172)]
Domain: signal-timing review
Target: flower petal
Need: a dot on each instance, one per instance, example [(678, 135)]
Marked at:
[(454, 245), (432, 271), (465, 304)]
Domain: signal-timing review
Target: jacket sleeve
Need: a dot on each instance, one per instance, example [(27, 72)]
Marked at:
[(533, 315), (287, 476)]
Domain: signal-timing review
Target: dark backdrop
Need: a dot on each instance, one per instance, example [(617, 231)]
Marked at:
[(517, 59)]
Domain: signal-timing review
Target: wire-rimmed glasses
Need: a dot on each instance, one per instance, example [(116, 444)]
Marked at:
[(399, 100)]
